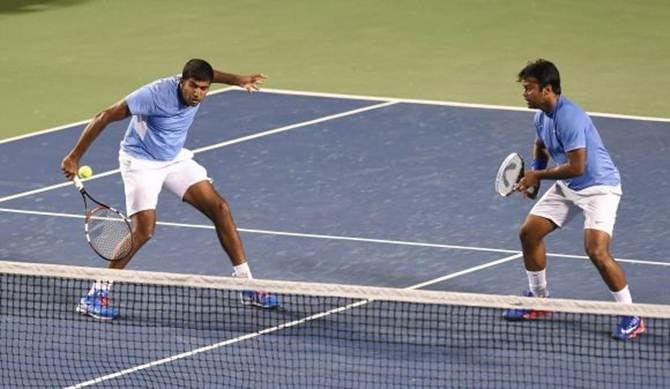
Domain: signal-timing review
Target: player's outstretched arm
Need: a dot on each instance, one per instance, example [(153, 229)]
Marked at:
[(251, 82), (116, 112)]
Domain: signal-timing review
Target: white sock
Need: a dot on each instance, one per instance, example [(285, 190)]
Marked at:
[(242, 271), (537, 282), (623, 296), (102, 285)]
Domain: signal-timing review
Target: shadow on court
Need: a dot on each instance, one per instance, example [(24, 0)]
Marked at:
[(25, 6)]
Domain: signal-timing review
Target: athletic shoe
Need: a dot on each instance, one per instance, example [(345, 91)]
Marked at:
[(524, 314), (628, 328), (259, 299), (97, 306)]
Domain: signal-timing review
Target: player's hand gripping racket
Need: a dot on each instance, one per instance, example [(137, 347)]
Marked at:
[(107, 230), (509, 174)]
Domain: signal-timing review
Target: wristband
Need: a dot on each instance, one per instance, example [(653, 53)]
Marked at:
[(538, 164)]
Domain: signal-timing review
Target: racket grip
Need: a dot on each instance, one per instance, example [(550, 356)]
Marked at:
[(78, 184), (532, 192)]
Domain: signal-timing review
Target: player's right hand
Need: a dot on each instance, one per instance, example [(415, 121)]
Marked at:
[(531, 193)]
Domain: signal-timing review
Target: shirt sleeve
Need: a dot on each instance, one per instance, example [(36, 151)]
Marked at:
[(141, 101), (572, 133)]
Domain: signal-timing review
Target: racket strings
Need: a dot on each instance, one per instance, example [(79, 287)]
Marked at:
[(109, 234)]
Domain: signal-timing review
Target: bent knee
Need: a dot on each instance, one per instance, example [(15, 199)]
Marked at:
[(142, 235), (527, 233), (535, 228), (221, 208), (598, 254)]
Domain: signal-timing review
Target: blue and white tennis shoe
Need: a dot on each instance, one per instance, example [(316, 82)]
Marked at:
[(259, 299), (98, 306), (628, 328)]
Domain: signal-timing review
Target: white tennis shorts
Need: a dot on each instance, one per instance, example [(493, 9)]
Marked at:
[(143, 180), (599, 204)]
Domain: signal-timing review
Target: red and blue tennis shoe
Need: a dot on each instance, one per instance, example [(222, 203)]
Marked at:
[(525, 314), (628, 328), (98, 306)]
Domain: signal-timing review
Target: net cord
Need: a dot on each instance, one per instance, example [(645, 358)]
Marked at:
[(336, 290)]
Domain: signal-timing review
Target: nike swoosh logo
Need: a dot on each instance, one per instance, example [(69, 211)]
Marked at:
[(629, 330)]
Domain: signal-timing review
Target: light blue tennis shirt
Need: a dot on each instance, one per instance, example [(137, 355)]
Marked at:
[(569, 128), (160, 121)]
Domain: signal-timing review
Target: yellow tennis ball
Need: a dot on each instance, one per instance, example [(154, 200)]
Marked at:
[(85, 171)]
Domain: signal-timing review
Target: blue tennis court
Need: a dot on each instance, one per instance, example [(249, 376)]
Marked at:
[(351, 190)]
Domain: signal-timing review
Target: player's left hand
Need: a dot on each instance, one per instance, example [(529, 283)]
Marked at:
[(251, 82)]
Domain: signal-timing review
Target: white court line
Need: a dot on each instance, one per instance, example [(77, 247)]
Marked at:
[(56, 186), (70, 125), (42, 132), (280, 327), (364, 97), (294, 126), (452, 104), (467, 271), (345, 238), (220, 145)]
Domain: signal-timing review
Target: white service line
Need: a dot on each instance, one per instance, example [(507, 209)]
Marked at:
[(346, 238), (280, 327), (406, 243), (219, 145), (42, 132), (467, 271), (56, 186), (294, 126)]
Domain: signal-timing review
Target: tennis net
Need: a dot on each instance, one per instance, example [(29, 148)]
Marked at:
[(192, 331)]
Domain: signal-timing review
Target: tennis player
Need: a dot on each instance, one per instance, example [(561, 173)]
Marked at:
[(152, 156), (587, 181)]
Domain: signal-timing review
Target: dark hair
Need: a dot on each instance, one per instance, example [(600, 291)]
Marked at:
[(545, 72), (198, 69)]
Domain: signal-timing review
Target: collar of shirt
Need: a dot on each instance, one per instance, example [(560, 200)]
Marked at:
[(559, 103)]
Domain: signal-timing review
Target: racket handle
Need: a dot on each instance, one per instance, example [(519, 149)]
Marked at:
[(78, 184)]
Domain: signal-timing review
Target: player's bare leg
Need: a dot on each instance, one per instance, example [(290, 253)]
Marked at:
[(207, 200), (97, 302), (144, 223), (531, 234), (597, 246)]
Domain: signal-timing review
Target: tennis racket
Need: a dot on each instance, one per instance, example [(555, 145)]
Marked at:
[(509, 174), (107, 230)]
